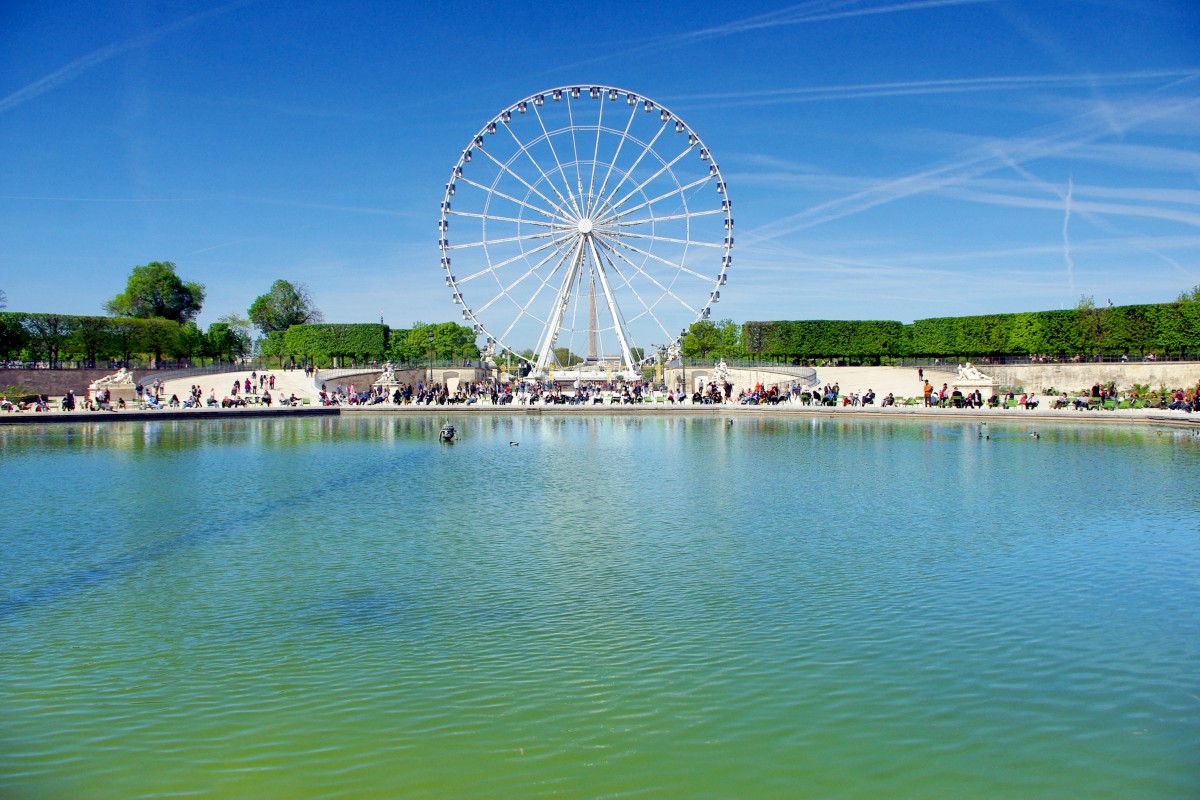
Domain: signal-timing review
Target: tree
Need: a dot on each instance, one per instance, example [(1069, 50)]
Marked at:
[(3, 300), (1192, 296), (48, 334), (702, 338), (154, 290), (189, 342), (13, 336), (285, 305), (92, 337)]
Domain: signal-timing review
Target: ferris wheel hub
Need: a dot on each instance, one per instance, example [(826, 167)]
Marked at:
[(585, 226)]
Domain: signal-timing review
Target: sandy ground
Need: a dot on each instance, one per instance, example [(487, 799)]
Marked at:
[(287, 383), (900, 381)]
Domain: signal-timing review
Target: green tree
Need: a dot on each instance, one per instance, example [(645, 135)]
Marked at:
[(563, 357), (1192, 296), (285, 305), (48, 334), (189, 342), (702, 338), (273, 345), (154, 290), (13, 337), (92, 338), (3, 300)]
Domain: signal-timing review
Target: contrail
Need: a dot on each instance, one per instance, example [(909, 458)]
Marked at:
[(931, 87), (93, 59), (1045, 141), (801, 14), (1067, 236)]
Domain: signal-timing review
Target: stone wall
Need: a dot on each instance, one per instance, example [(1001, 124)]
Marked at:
[(56, 382), (1071, 377), (740, 377)]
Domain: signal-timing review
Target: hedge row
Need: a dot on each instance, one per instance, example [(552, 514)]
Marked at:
[(322, 343), (1164, 328)]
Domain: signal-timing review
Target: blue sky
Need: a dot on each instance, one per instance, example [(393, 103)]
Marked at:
[(885, 159)]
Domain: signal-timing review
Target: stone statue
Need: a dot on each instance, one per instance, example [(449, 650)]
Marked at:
[(968, 372), (120, 378), (388, 379), (720, 373), (487, 355)]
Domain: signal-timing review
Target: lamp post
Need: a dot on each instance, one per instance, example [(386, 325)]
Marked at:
[(683, 363), (431, 357)]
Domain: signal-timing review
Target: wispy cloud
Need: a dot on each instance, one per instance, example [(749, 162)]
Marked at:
[(81, 65), (1067, 238), (808, 13), (1048, 140), (1008, 83)]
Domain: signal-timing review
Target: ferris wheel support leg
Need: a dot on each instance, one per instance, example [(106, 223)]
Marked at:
[(560, 309), (612, 306)]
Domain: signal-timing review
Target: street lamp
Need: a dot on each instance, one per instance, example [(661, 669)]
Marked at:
[(431, 356), (683, 363)]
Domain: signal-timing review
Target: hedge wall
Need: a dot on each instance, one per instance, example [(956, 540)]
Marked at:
[(826, 338), (365, 341), (1165, 328)]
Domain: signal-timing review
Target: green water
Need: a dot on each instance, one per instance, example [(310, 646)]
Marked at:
[(616, 607)]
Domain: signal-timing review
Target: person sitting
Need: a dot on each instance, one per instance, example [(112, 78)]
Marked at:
[(868, 399), (887, 401), (5, 404), (152, 402), (956, 398), (266, 398)]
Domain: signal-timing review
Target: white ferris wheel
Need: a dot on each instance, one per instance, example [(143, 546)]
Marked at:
[(587, 225)]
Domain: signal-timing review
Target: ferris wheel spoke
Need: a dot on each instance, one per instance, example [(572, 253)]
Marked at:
[(666, 290), (570, 198), (553, 323), (657, 238), (679, 190), (505, 168), (666, 262), (517, 220), (493, 267), (613, 310), (591, 196), (510, 198), (616, 156), (525, 308), (487, 242), (575, 148), (664, 168), (664, 218), (506, 290), (648, 148), (628, 284)]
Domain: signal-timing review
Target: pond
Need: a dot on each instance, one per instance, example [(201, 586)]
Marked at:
[(611, 606)]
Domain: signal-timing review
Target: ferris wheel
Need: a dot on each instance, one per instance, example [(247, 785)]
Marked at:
[(582, 228)]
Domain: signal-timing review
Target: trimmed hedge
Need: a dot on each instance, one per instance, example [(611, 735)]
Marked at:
[(1165, 328), (826, 338), (323, 342)]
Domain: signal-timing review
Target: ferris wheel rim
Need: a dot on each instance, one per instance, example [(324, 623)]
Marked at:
[(558, 216)]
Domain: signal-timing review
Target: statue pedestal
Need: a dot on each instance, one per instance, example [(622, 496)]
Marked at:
[(116, 392), (987, 387)]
